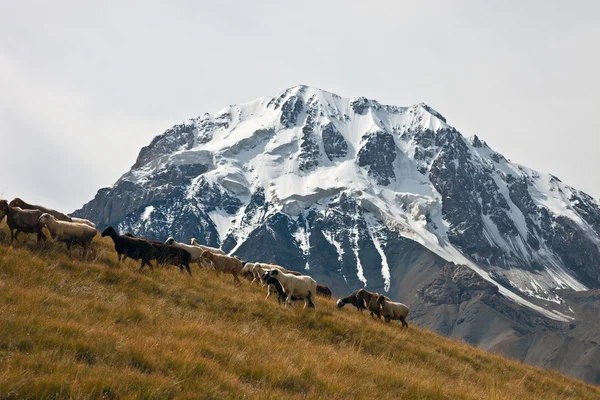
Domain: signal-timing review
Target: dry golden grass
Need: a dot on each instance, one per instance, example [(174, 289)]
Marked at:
[(70, 329)]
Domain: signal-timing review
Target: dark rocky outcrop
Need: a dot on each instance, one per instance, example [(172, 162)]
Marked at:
[(333, 142), (378, 155)]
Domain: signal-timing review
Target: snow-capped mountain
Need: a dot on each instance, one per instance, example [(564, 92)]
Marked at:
[(359, 194)]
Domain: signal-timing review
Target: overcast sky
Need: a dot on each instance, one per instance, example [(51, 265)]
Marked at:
[(84, 87)]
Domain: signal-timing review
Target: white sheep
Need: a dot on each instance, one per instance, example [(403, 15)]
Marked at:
[(69, 232), (393, 311), (214, 250), (196, 252), (258, 271), (83, 221), (297, 286)]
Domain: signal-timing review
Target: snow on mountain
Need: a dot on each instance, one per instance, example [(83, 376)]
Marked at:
[(320, 182)]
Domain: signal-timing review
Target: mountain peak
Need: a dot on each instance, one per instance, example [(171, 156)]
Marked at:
[(289, 159)]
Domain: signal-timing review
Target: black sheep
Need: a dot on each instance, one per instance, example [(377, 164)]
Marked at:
[(133, 248)]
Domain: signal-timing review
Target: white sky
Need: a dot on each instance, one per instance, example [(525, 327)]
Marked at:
[(84, 87)]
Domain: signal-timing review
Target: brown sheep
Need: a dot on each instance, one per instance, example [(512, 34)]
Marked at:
[(352, 299), (26, 221), (369, 301), (323, 291), (17, 202), (224, 264)]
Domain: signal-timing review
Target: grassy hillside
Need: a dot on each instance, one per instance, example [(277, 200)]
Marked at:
[(97, 330)]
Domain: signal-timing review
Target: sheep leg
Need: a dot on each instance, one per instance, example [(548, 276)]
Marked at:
[(187, 267), (11, 236), (40, 235), (144, 262), (289, 300), (268, 291), (236, 280), (17, 234), (404, 323), (309, 301)]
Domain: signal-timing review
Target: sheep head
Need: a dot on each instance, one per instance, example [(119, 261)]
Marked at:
[(266, 276), (340, 303), (381, 299), (207, 255), (170, 240), (17, 202), (4, 206), (247, 267), (194, 241), (45, 218)]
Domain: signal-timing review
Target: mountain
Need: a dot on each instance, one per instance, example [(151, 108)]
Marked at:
[(360, 194)]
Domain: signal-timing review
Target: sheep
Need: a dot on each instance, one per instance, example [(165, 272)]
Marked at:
[(393, 311), (223, 263), (323, 291), (281, 296), (214, 250), (68, 232), (259, 269), (19, 220), (352, 299), (195, 251), (299, 286), (134, 248), (17, 202), (83, 221), (369, 301), (167, 254)]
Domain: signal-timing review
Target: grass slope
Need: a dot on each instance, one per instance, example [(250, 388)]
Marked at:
[(97, 330)]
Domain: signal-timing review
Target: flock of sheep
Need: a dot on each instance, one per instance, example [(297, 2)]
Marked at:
[(289, 285)]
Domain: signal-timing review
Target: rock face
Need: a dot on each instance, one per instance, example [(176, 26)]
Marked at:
[(360, 194), (462, 305), (456, 284), (378, 155)]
